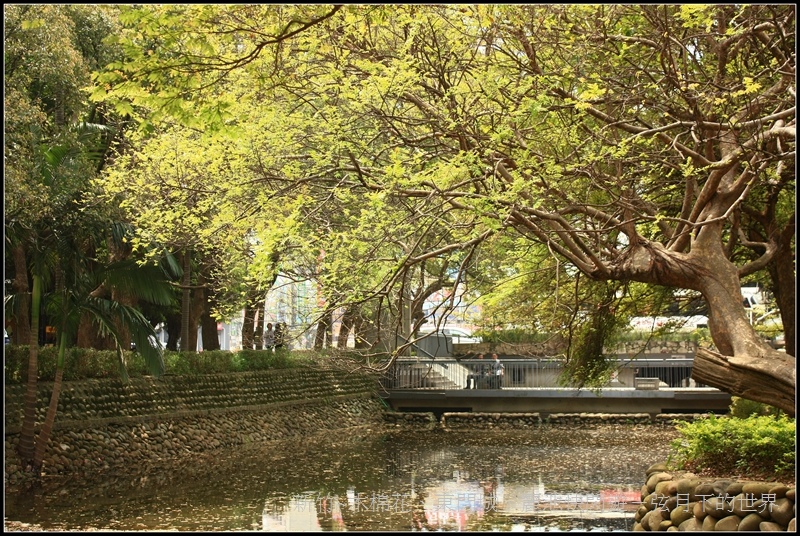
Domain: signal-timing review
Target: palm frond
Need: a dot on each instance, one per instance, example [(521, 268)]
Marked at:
[(146, 282), (171, 267), (106, 313), (121, 232)]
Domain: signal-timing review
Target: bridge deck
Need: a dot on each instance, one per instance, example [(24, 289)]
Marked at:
[(546, 400)]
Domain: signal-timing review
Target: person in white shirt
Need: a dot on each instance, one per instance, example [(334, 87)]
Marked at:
[(269, 337)]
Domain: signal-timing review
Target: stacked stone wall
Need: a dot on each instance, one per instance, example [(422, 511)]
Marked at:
[(84, 403), (685, 502), (522, 421), (103, 423)]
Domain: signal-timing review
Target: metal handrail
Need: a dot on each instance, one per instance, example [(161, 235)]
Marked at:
[(450, 373)]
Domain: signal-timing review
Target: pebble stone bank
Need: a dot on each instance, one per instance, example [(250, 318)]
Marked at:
[(684, 502)]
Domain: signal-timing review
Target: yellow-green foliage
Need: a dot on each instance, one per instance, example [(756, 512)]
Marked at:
[(743, 408), (757, 446)]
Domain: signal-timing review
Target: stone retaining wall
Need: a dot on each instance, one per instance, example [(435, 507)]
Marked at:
[(103, 423), (684, 502), (521, 421), (91, 402)]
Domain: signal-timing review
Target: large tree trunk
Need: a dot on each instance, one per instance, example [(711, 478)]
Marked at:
[(748, 377), (348, 319), (208, 325), (89, 335), (173, 322), (210, 334), (248, 326), (21, 330), (323, 335), (746, 365)]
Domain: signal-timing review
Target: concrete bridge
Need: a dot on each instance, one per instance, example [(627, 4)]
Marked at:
[(652, 385)]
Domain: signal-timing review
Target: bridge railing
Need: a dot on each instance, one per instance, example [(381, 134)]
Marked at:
[(438, 373), (449, 373)]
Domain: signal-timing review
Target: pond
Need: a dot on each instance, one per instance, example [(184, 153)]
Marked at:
[(551, 479)]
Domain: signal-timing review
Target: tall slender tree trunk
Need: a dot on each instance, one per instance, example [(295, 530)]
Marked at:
[(50, 418), (21, 331), (247, 327), (186, 301), (123, 330), (26, 436), (258, 333), (784, 286), (208, 325), (196, 314)]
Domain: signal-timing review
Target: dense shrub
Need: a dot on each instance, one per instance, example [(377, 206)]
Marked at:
[(512, 336), (757, 446), (79, 363), (84, 363), (701, 336)]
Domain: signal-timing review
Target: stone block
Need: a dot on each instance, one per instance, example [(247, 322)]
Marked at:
[(770, 526), (779, 491), (655, 478), (699, 511), (750, 523), (666, 488), (782, 511), (686, 486), (758, 488), (680, 514), (717, 507), (728, 524)]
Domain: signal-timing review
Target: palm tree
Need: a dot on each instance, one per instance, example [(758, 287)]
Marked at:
[(66, 279), (75, 297)]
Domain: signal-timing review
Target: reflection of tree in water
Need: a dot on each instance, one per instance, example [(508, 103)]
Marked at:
[(439, 463)]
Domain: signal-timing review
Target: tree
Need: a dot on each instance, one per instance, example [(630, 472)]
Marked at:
[(622, 138), (52, 221), (73, 298), (67, 286)]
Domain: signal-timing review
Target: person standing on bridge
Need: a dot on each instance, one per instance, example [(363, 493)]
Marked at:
[(498, 371), (476, 371)]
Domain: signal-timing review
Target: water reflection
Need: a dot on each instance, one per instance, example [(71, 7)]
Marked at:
[(460, 503), (426, 481)]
